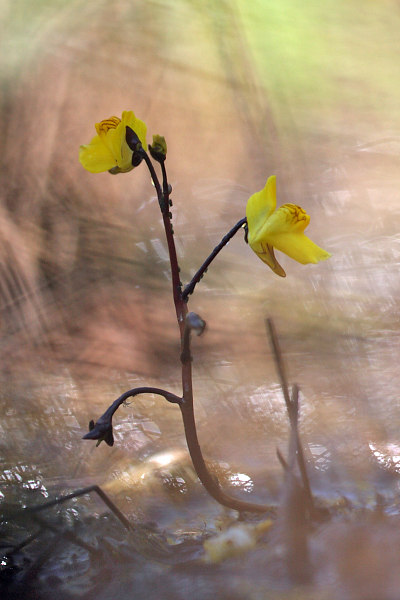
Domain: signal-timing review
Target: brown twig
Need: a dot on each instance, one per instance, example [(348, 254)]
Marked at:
[(280, 366), (83, 492), (197, 276), (296, 505), (292, 405), (299, 450)]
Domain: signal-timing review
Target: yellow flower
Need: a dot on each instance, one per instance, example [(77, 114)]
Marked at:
[(281, 229), (108, 150)]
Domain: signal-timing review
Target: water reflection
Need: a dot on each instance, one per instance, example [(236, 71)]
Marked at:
[(321, 455), (85, 298), (242, 481)]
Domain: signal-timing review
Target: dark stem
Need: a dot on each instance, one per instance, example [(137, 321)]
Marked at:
[(187, 409), (186, 355), (83, 492), (103, 429), (163, 199), (145, 390), (196, 278), (209, 481), (105, 421), (152, 173)]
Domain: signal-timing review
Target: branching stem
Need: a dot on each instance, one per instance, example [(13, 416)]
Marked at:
[(102, 430), (209, 481)]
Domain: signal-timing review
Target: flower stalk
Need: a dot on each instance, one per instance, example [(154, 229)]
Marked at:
[(209, 481), (189, 289)]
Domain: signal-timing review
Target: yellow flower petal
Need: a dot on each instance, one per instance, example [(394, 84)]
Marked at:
[(266, 253), (117, 143), (299, 247), (284, 231), (288, 218), (96, 156), (261, 205)]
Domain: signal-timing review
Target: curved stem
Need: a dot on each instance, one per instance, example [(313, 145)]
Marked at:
[(102, 430), (131, 394), (209, 481), (196, 278)]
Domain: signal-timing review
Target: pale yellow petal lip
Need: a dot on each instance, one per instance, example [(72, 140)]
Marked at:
[(96, 157), (299, 247)]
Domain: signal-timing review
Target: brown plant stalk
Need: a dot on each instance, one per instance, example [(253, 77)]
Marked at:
[(102, 430)]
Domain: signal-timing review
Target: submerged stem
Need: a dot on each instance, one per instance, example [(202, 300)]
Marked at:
[(209, 481)]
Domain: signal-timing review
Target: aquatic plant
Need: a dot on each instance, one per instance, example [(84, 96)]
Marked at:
[(119, 146)]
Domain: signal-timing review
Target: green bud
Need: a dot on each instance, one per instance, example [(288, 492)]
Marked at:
[(158, 149)]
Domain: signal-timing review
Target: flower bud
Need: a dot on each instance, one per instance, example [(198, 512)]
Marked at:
[(158, 150), (102, 431)]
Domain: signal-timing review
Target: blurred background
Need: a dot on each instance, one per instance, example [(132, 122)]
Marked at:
[(241, 90)]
